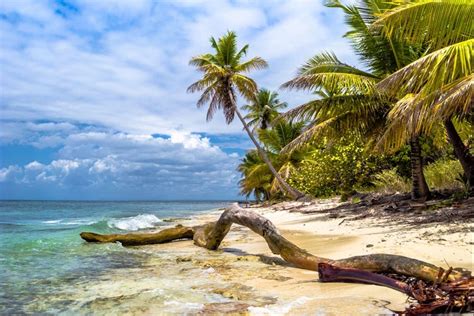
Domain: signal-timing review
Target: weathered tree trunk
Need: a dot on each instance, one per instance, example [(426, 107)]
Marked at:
[(462, 153), (211, 235), (420, 190)]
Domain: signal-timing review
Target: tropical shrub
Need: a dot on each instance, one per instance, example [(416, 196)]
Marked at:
[(336, 168)]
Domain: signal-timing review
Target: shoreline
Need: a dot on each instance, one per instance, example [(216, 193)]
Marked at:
[(244, 277)]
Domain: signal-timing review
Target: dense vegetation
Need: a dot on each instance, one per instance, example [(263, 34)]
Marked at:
[(403, 123)]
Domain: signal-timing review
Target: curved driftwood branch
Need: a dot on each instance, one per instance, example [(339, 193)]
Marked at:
[(214, 233), (166, 235), (211, 235)]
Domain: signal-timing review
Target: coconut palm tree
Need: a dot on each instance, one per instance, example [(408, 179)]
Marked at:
[(263, 108), (350, 99), (257, 178), (223, 78), (275, 139), (439, 86)]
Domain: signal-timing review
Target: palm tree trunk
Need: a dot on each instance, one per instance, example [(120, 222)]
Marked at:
[(420, 190), (295, 194), (462, 153)]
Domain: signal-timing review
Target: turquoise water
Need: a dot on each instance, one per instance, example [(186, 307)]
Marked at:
[(42, 256)]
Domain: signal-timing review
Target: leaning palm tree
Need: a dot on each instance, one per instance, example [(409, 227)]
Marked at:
[(438, 87), (350, 100), (263, 108), (257, 178), (223, 78)]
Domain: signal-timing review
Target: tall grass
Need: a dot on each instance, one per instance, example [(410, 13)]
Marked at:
[(389, 181), (444, 174)]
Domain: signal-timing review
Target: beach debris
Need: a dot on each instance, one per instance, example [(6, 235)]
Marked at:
[(440, 296)]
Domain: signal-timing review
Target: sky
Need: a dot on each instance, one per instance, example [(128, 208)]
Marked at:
[(93, 101)]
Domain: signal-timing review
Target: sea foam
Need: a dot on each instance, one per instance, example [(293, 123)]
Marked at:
[(135, 222)]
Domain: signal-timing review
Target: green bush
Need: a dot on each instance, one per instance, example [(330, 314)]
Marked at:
[(335, 168)]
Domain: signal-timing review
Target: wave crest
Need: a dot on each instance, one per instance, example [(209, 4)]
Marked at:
[(141, 221)]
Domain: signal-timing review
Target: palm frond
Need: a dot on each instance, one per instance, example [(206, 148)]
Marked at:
[(325, 71), (416, 114), (285, 172), (309, 135), (242, 52), (456, 100), (201, 84), (409, 117), (364, 104), (438, 22), (246, 86), (332, 81), (381, 54), (280, 135), (207, 95), (255, 63), (263, 108), (328, 62), (432, 71)]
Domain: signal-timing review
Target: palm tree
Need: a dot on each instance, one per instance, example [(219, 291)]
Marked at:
[(439, 86), (275, 139), (263, 108), (349, 96), (257, 178), (223, 77)]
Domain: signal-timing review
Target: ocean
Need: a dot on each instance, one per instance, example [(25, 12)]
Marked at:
[(45, 267)]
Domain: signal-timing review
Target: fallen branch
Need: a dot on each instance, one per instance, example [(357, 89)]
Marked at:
[(330, 273), (166, 235)]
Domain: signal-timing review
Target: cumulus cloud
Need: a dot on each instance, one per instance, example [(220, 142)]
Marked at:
[(184, 165), (123, 64)]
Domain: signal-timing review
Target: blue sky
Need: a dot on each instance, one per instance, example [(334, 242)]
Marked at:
[(93, 101)]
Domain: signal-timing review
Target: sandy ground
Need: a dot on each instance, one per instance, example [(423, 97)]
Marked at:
[(247, 265)]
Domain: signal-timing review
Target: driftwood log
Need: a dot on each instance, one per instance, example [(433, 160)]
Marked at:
[(358, 268)]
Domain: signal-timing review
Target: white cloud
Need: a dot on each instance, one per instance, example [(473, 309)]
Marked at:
[(160, 167), (130, 73), (34, 165), (9, 173)]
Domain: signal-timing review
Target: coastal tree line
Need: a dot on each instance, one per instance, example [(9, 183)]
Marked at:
[(403, 122)]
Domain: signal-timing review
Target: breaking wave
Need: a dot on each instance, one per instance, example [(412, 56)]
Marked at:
[(141, 221)]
